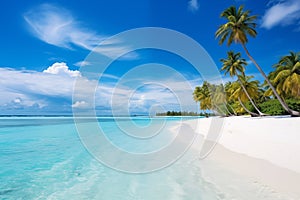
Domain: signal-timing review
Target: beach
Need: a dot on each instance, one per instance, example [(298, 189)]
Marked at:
[(254, 158)]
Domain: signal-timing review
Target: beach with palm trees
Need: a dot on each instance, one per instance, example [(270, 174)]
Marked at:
[(245, 95), (148, 100), (259, 142)]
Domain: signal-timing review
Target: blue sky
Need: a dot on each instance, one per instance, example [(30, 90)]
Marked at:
[(43, 44)]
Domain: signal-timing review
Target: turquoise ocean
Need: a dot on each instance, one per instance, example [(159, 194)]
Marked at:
[(43, 158)]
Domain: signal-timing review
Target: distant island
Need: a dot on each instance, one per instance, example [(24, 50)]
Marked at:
[(184, 113)]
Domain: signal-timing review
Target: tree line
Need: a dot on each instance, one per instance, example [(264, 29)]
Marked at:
[(184, 113)]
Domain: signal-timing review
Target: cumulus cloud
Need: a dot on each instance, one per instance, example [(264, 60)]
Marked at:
[(282, 13), (28, 87), (193, 5), (62, 69), (47, 91), (172, 93), (17, 100), (53, 89), (57, 26)]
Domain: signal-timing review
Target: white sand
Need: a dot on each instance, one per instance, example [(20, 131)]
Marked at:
[(254, 158)]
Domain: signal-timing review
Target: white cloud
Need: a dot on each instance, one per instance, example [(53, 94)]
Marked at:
[(61, 69), (116, 50), (80, 104), (109, 76), (193, 5), (58, 27), (282, 13), (54, 87), (23, 84), (82, 63), (169, 93), (17, 100)]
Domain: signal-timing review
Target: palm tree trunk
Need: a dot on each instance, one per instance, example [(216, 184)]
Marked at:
[(246, 109), (232, 109), (224, 104), (282, 102), (219, 110), (250, 99)]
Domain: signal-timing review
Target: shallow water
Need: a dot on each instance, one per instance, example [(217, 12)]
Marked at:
[(43, 158)]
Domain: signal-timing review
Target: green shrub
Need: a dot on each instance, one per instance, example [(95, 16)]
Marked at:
[(294, 104), (250, 107), (273, 107)]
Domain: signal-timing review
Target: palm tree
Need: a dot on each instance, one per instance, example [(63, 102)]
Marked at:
[(206, 96), (203, 95), (227, 88), (219, 98), (238, 93), (286, 76), (235, 65), (235, 97), (240, 24)]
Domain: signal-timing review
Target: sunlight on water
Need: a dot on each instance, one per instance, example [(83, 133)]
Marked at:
[(43, 158)]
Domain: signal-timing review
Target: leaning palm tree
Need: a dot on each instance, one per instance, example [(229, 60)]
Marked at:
[(286, 77), (219, 98), (240, 24), (237, 93), (235, 66), (229, 101), (231, 88)]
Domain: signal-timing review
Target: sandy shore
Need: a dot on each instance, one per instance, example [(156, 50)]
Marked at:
[(251, 158)]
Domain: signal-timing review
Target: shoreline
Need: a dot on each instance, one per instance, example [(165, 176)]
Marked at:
[(254, 158)]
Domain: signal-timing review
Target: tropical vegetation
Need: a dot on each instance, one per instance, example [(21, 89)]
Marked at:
[(280, 92), (239, 25)]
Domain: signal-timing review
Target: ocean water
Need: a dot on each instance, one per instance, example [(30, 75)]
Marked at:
[(43, 158)]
